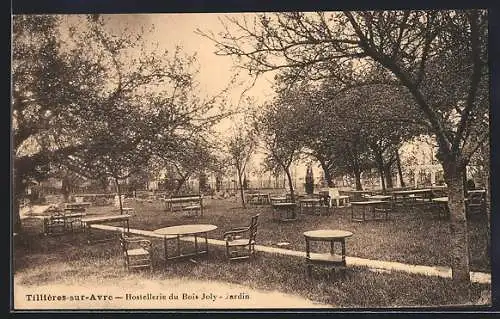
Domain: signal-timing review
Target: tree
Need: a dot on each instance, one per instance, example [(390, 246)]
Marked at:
[(47, 82), (240, 147), (440, 57), (96, 102), (282, 142)]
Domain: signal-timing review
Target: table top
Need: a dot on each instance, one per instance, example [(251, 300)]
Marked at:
[(105, 218), (369, 202), (278, 197), (381, 197), (257, 194), (180, 199), (440, 199), (413, 191), (186, 229), (65, 215), (283, 204), (357, 191), (476, 191), (79, 204), (444, 199), (328, 234), (310, 200)]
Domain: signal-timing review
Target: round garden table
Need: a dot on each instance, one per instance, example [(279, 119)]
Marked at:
[(176, 232), (332, 258)]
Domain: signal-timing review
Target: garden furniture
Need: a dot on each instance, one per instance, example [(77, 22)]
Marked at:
[(370, 206), (177, 232), (240, 241), (136, 252), (333, 257), (284, 211), (88, 221), (312, 205), (183, 201), (337, 200)]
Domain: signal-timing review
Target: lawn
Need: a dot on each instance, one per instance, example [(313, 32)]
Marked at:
[(415, 238)]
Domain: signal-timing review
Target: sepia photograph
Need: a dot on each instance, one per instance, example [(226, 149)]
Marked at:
[(250, 160)]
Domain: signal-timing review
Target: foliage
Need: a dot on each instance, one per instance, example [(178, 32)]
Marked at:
[(440, 57)]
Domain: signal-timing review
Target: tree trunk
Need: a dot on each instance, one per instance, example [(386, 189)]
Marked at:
[(65, 188), (290, 184), (388, 176), (16, 218), (118, 190), (486, 182), (180, 183), (400, 171), (357, 178), (327, 174), (458, 222), (380, 166), (242, 194), (18, 195)]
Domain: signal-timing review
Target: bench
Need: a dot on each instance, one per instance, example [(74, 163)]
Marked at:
[(190, 202)]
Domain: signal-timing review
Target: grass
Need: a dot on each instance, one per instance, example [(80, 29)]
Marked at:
[(414, 238)]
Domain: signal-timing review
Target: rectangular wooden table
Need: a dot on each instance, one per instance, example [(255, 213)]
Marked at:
[(408, 198), (78, 205), (285, 210), (369, 206), (67, 219), (312, 205), (88, 221), (258, 198)]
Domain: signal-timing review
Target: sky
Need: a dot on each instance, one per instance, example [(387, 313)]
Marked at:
[(171, 30)]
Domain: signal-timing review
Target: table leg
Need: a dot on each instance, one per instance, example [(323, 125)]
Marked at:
[(343, 250), (196, 243), (87, 228), (178, 245), (364, 211), (165, 248), (309, 266), (332, 247), (206, 243)]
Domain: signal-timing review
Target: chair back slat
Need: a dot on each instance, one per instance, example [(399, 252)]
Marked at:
[(253, 227)]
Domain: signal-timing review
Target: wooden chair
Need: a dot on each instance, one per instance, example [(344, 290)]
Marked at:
[(337, 200), (240, 242), (136, 252), (475, 205)]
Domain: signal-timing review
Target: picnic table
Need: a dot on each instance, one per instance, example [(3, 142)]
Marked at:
[(195, 230), (369, 206)]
